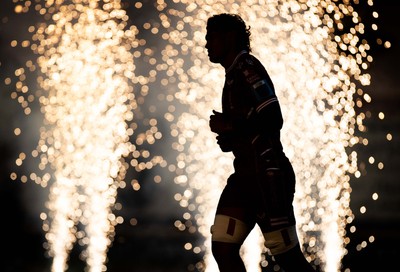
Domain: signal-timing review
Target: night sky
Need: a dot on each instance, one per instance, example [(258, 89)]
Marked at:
[(155, 244)]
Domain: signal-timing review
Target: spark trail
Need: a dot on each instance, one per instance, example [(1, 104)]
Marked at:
[(86, 70)]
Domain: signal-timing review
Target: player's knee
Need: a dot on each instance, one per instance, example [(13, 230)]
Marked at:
[(225, 253), (228, 229), (281, 241)]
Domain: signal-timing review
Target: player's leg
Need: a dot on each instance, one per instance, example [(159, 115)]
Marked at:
[(228, 235), (293, 260), (232, 223), (279, 223), (284, 246)]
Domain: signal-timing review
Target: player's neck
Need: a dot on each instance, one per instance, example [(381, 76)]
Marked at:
[(230, 59)]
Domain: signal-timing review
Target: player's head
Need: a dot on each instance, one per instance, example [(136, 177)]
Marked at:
[(231, 23)]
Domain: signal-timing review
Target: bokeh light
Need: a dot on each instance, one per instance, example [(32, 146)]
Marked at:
[(121, 93)]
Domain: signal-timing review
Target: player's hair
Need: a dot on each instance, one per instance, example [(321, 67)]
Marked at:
[(226, 22)]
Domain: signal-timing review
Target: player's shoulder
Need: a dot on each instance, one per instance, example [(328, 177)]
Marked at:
[(248, 60)]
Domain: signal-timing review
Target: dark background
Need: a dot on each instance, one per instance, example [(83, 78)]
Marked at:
[(154, 244)]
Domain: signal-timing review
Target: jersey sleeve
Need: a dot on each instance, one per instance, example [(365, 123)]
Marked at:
[(266, 116)]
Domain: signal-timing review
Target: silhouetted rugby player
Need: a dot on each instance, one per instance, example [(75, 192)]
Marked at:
[(261, 189)]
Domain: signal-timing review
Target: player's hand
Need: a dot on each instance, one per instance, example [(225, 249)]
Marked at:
[(225, 143), (218, 123)]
